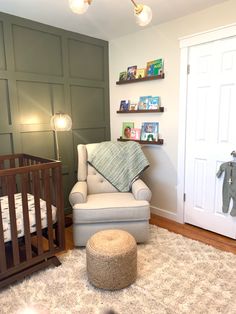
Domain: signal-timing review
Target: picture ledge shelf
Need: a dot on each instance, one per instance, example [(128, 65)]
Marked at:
[(161, 109), (142, 79), (159, 142)]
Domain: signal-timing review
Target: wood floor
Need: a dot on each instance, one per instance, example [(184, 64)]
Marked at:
[(192, 232)]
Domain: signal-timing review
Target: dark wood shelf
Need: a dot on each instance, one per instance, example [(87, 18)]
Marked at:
[(142, 111), (142, 79), (159, 142)]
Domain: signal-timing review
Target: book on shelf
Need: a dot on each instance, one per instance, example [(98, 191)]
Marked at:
[(133, 106), (131, 72), (140, 73), (155, 67), (123, 76), (124, 105), (150, 131), (154, 103), (126, 129), (135, 134), (143, 102)]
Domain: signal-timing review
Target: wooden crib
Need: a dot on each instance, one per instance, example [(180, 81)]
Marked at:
[(31, 215)]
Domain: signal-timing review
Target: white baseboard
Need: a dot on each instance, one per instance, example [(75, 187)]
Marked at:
[(165, 213)]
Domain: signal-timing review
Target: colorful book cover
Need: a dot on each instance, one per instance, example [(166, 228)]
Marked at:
[(155, 67), (126, 129), (123, 76), (135, 134), (149, 131), (140, 73), (131, 72), (124, 105), (154, 103), (143, 102)]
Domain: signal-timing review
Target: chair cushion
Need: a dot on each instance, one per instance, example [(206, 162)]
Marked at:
[(109, 207), (97, 183)]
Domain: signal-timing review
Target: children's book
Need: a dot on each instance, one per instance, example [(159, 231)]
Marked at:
[(149, 131), (154, 103), (135, 134), (124, 105), (126, 129), (131, 72), (155, 67), (140, 73), (133, 106), (123, 76), (143, 102)]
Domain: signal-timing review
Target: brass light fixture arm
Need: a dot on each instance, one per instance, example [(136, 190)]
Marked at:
[(134, 3), (138, 7)]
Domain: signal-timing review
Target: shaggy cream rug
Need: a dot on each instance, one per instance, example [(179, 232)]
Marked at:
[(175, 275)]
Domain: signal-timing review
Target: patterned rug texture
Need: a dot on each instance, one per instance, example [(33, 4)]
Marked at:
[(175, 275)]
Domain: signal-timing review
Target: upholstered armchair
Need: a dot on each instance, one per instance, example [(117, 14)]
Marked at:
[(98, 205)]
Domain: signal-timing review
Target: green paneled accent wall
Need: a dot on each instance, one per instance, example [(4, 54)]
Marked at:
[(44, 70)]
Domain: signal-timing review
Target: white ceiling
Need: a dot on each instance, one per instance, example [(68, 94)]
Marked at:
[(105, 19)]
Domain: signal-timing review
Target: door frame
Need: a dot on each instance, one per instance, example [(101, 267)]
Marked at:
[(185, 44)]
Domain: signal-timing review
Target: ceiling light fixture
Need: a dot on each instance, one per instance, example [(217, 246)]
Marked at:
[(142, 12), (79, 6)]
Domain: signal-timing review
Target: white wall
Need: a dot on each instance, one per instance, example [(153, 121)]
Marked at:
[(160, 41)]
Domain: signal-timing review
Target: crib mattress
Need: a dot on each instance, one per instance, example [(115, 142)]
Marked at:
[(19, 215)]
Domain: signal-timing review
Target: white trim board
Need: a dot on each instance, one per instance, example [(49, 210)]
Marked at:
[(207, 36), (164, 213), (185, 44)]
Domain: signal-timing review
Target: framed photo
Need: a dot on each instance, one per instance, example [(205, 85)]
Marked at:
[(126, 129), (131, 72), (149, 131), (124, 105), (135, 134)]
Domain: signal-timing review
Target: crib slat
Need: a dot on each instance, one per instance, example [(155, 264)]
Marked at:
[(2, 180), (13, 165), (36, 187), (3, 265), (15, 246), (27, 163), (47, 196), (24, 184)]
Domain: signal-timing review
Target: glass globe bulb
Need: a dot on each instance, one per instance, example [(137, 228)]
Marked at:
[(144, 17), (61, 122), (79, 6)]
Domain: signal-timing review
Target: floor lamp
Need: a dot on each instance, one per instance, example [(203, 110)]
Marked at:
[(60, 122)]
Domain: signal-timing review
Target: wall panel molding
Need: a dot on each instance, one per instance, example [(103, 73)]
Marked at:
[(44, 70)]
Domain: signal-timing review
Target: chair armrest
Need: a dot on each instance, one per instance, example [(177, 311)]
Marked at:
[(79, 193), (141, 191)]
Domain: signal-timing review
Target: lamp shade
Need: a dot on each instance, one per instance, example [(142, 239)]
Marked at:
[(79, 6), (143, 16), (61, 122)]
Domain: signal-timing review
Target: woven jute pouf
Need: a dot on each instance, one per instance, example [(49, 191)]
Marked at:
[(111, 259)]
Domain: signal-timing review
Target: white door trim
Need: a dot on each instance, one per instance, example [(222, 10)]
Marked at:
[(185, 44)]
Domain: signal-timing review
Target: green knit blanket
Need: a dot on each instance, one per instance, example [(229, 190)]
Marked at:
[(120, 163)]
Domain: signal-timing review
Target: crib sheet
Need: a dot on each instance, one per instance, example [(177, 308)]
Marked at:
[(19, 215)]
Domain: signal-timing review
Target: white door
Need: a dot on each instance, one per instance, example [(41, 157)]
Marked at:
[(210, 133)]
